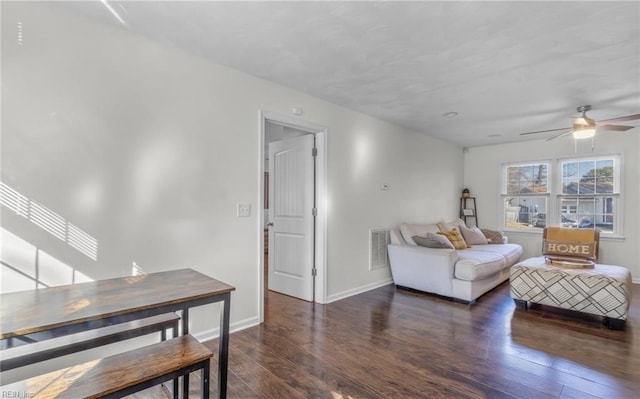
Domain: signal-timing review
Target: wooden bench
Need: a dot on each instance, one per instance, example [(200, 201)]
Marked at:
[(23, 355), (122, 374)]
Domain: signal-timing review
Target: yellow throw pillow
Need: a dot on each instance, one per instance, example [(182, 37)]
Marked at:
[(456, 238)]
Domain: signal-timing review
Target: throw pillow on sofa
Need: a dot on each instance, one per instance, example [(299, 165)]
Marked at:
[(409, 230), (448, 226), (433, 241), (494, 237), (455, 237), (473, 235)]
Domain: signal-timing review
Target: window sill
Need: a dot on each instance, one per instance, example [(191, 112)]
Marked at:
[(538, 232)]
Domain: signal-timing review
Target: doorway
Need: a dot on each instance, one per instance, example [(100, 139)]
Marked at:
[(282, 133)]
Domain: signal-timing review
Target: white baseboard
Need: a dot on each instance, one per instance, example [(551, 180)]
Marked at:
[(237, 326), (636, 280), (214, 333), (358, 290)]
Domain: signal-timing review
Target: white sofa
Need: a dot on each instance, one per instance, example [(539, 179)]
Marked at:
[(463, 275)]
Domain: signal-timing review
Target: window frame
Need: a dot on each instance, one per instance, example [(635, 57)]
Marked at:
[(555, 195), (545, 196), (616, 195)]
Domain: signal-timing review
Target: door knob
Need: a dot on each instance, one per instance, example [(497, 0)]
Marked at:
[(269, 224)]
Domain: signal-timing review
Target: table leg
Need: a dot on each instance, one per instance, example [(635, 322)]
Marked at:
[(176, 381), (204, 381), (185, 330), (223, 349)]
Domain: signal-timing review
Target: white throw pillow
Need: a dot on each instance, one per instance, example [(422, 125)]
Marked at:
[(473, 235)]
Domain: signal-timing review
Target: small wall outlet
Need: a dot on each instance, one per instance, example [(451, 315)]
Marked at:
[(244, 210)]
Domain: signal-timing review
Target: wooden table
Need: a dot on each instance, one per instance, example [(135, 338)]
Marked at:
[(56, 311)]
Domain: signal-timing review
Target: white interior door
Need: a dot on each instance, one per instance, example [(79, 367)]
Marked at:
[(291, 219)]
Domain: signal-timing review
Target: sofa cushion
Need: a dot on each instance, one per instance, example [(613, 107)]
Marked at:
[(473, 235), (510, 252), (409, 230), (396, 237), (455, 237), (433, 241), (477, 265)]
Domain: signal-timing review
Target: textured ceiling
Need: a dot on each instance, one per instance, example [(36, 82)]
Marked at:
[(505, 67)]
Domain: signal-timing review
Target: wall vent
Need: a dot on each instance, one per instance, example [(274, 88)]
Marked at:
[(378, 241)]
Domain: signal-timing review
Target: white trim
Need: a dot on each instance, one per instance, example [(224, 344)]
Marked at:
[(554, 194), (214, 333), (359, 290), (321, 134)]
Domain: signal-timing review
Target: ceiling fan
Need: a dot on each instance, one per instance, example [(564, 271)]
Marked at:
[(585, 127)]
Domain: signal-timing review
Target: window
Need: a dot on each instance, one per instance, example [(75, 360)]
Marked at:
[(589, 193), (525, 194), (586, 193)]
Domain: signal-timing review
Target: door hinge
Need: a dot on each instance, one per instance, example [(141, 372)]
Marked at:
[(314, 152), (314, 212), (314, 272)]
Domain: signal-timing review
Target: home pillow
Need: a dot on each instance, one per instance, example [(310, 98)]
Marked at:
[(494, 237), (455, 237), (433, 241), (473, 235), (577, 249)]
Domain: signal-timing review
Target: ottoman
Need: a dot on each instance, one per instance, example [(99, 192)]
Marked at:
[(603, 290)]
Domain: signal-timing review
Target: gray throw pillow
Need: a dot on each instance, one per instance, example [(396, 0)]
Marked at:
[(494, 237), (433, 241)]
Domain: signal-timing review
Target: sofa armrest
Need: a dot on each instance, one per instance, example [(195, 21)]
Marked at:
[(424, 269)]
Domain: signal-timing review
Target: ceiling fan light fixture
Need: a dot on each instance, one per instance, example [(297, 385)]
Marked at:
[(584, 132)]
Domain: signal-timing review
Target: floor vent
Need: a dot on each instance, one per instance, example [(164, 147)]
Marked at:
[(378, 241)]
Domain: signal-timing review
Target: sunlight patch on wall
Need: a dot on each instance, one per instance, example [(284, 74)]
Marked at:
[(26, 267), (49, 221)]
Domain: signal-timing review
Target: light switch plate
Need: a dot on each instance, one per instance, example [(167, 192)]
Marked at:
[(244, 210)]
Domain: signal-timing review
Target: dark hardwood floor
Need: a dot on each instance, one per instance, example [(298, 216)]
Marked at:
[(394, 343)]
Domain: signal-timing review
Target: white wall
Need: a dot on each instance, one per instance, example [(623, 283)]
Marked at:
[(149, 150), (483, 177)]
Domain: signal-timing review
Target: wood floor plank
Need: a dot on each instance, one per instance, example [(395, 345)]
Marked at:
[(395, 343)]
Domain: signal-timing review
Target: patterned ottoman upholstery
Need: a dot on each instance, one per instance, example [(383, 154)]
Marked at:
[(604, 290)]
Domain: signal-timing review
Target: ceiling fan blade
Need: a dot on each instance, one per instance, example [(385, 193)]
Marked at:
[(620, 119), (560, 135), (617, 128), (544, 131)]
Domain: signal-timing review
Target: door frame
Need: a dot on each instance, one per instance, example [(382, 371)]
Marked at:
[(320, 233)]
